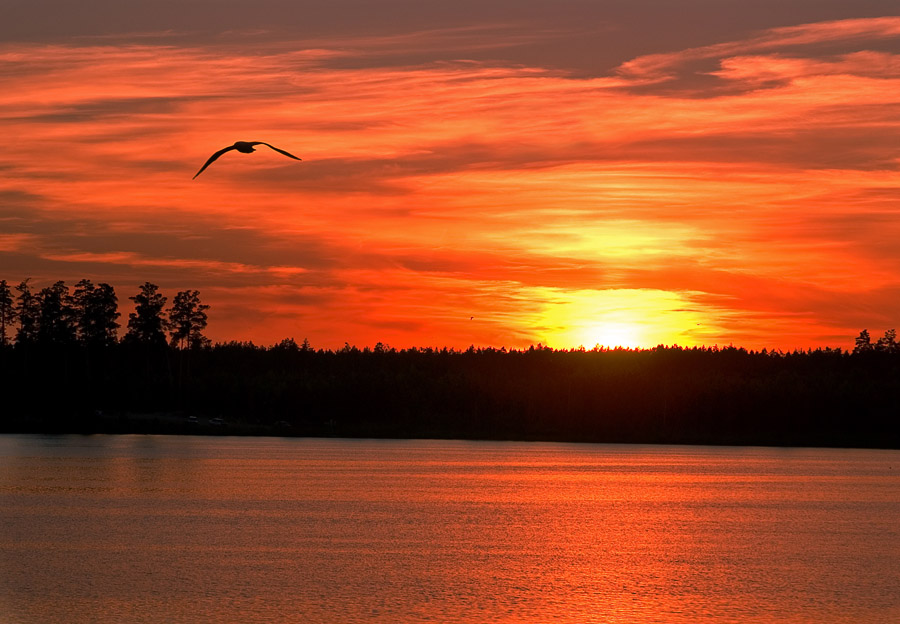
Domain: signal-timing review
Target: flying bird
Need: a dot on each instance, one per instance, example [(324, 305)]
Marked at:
[(244, 147)]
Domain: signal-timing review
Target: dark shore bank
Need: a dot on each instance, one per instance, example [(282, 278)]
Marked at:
[(662, 395)]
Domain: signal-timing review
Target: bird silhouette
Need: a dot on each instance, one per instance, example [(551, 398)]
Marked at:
[(244, 147)]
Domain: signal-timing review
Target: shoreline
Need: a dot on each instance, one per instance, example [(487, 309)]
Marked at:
[(179, 423)]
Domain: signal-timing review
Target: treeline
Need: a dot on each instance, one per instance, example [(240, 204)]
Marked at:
[(822, 397), (88, 316), (64, 368)]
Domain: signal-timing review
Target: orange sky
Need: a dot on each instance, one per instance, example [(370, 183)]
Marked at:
[(736, 185)]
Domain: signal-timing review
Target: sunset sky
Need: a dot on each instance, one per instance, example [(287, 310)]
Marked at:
[(496, 173)]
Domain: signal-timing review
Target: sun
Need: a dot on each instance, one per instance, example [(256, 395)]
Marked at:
[(613, 334), (628, 318)]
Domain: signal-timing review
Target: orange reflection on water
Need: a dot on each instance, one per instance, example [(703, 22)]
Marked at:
[(162, 529)]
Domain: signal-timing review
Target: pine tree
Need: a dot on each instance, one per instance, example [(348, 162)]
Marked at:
[(863, 342), (57, 320), (888, 342), (96, 311), (146, 325), (7, 312), (28, 313), (187, 320)]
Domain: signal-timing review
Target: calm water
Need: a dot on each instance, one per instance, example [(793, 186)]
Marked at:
[(191, 529)]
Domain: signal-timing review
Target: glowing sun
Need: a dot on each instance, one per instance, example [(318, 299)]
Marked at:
[(613, 334)]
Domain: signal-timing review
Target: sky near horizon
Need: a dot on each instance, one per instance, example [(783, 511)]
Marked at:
[(494, 173)]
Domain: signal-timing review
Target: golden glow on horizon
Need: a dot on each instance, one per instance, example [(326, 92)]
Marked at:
[(613, 335), (624, 318)]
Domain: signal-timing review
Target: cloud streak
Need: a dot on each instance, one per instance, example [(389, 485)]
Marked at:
[(665, 66)]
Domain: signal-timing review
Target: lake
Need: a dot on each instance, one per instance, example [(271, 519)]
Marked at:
[(225, 529)]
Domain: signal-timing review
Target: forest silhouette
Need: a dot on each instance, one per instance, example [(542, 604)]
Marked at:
[(65, 369)]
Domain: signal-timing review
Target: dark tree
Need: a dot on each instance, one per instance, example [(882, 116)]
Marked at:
[(146, 325), (286, 344), (7, 312), (187, 320), (863, 342), (28, 313), (57, 321), (84, 290), (96, 310), (888, 342)]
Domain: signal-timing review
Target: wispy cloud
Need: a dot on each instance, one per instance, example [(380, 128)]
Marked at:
[(665, 66)]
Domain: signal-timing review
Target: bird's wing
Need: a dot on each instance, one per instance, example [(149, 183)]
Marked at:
[(280, 151), (213, 158)]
